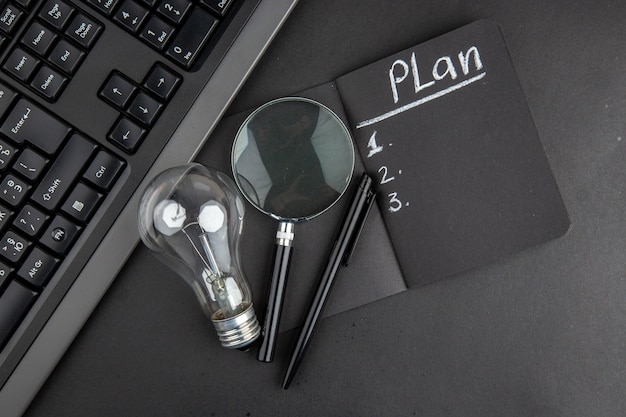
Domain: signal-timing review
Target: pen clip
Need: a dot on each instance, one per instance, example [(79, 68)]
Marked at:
[(371, 197)]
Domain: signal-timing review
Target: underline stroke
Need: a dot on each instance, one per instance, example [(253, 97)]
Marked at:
[(419, 102)]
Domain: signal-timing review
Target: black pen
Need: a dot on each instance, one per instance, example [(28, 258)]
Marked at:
[(341, 253)]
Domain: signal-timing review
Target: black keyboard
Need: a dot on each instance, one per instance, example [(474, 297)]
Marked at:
[(91, 93), (54, 176), (53, 180)]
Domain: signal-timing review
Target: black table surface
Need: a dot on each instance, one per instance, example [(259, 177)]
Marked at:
[(542, 333)]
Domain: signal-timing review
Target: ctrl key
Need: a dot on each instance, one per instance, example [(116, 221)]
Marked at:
[(14, 304), (103, 170)]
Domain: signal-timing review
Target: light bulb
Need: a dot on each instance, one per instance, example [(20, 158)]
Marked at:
[(191, 218)]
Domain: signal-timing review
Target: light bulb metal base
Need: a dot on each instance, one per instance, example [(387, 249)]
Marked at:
[(238, 331)]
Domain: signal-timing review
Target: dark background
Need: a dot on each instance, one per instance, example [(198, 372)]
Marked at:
[(542, 333)]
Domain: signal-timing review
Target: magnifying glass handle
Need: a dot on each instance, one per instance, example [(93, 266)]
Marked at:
[(276, 292)]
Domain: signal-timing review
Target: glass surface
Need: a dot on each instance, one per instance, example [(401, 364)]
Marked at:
[(293, 158), (191, 216)]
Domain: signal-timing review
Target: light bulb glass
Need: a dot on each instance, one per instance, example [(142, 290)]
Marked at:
[(191, 218)]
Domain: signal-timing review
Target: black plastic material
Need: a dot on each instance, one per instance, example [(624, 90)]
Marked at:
[(275, 298)]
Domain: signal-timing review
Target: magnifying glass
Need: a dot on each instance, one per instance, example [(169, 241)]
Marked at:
[(292, 159)]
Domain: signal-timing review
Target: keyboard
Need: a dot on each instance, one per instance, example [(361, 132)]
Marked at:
[(97, 97)]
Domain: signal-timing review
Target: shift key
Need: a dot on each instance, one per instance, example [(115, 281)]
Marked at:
[(30, 123), (63, 173)]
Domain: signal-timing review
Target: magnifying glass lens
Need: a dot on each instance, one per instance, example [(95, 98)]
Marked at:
[(293, 158)]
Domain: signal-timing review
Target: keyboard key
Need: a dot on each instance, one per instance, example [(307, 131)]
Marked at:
[(127, 135), (7, 152), (39, 38), (5, 217), (20, 64), (103, 170), (156, 32), (6, 98), (174, 10), (117, 90), (49, 82), (10, 17), (5, 273), (29, 123), (38, 267), (14, 304), (145, 109), (30, 164), (105, 6), (82, 203), (57, 13), (66, 56), (60, 235), (26, 4), (30, 220), (13, 247), (13, 190), (64, 171), (84, 30), (131, 15), (162, 82), (218, 6), (192, 37)]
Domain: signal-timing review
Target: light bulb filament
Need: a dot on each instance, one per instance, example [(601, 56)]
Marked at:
[(206, 254)]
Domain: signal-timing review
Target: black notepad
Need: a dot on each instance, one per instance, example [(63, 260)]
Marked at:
[(460, 172), (462, 175)]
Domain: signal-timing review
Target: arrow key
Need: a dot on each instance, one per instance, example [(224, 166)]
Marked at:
[(127, 135), (145, 108), (162, 81), (117, 90)]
